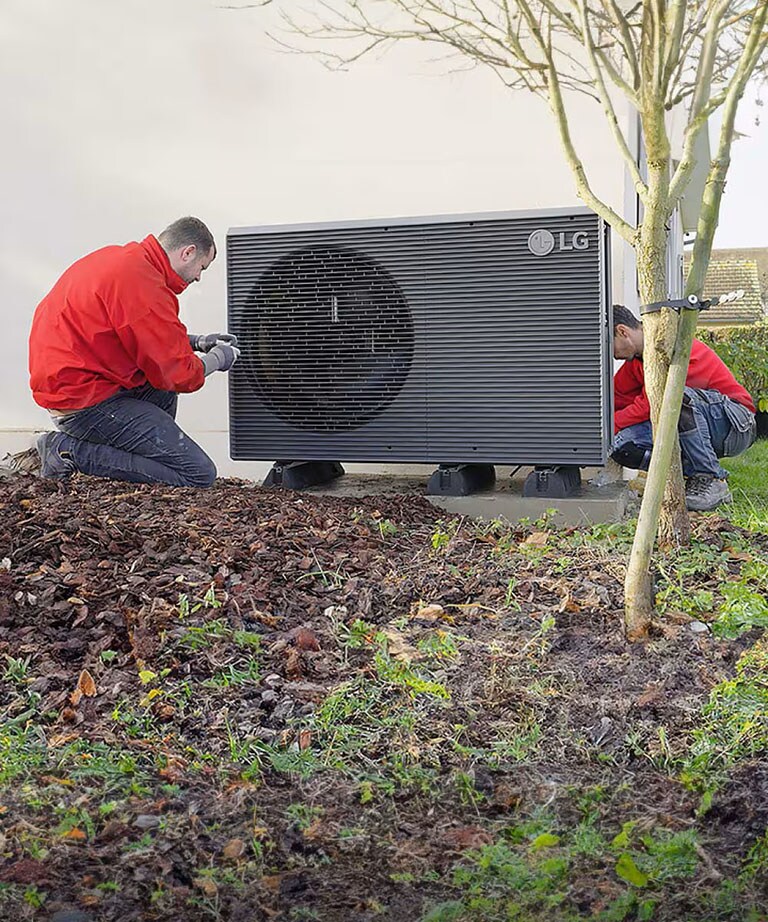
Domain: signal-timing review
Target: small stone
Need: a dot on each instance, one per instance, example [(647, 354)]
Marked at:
[(266, 734), (273, 680), (269, 697), (698, 627), (306, 691), (284, 710), (600, 732), (147, 821)]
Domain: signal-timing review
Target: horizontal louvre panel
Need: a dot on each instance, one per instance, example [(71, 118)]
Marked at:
[(435, 341)]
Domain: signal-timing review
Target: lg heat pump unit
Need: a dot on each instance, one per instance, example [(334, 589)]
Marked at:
[(465, 341)]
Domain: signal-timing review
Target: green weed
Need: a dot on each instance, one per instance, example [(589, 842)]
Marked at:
[(735, 724), (16, 670), (303, 815)]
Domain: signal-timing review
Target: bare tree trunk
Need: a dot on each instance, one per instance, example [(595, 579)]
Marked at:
[(663, 497), (639, 602)]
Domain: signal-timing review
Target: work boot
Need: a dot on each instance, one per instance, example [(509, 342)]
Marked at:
[(54, 464), (704, 492)]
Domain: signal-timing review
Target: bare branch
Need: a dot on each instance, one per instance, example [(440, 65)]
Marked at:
[(754, 48), (608, 107), (702, 104), (657, 53), (621, 21), (583, 188), (674, 29)]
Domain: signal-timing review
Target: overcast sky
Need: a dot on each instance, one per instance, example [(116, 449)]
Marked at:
[(744, 212)]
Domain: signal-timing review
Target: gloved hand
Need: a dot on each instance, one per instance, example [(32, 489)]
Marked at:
[(204, 342), (220, 358)]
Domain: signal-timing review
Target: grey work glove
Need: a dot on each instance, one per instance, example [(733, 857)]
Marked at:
[(220, 358), (204, 342)]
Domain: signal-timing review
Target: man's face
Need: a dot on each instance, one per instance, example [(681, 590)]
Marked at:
[(190, 263), (627, 342)]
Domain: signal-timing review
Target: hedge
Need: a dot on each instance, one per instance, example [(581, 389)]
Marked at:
[(745, 351)]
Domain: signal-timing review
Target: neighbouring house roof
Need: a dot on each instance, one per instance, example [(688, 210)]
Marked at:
[(724, 275), (758, 254)]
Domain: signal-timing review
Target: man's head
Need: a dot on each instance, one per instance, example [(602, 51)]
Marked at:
[(627, 334), (190, 247)]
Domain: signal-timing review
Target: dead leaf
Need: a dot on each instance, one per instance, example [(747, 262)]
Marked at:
[(507, 796), (304, 639), (264, 618), (537, 539), (61, 739), (75, 835), (173, 771), (83, 612), (234, 849), (432, 612), (207, 885), (466, 837), (398, 647), (293, 666), (305, 738), (85, 686), (569, 604), (313, 830), (52, 779)]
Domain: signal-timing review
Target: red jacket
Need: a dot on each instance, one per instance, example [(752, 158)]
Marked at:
[(111, 322), (706, 371)]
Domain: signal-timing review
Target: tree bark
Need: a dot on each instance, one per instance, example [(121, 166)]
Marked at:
[(663, 497)]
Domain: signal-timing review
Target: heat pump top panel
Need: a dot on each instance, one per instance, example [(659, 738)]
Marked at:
[(468, 338)]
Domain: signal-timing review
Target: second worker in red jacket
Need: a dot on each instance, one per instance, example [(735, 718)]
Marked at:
[(108, 356), (717, 419)]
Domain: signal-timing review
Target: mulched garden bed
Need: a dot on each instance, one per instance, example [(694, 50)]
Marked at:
[(249, 705)]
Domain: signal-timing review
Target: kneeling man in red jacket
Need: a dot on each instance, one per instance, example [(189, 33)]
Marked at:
[(108, 357), (717, 419)]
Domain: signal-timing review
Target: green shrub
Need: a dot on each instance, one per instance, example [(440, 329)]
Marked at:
[(745, 351)]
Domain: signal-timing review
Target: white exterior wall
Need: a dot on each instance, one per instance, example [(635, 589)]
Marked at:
[(120, 117)]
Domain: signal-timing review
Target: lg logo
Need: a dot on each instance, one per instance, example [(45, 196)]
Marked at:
[(543, 242)]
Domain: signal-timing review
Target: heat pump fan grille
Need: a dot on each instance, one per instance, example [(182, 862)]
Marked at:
[(328, 338)]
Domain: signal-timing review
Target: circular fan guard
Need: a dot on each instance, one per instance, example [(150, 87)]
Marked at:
[(328, 338)]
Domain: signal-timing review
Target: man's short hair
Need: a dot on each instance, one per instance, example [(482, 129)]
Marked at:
[(622, 315), (187, 232)]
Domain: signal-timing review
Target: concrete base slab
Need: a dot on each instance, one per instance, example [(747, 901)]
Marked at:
[(505, 500)]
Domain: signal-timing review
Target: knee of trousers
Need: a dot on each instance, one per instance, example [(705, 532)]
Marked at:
[(631, 455), (202, 474), (687, 421)]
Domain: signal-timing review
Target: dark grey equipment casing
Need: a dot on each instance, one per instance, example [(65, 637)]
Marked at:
[(480, 339)]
